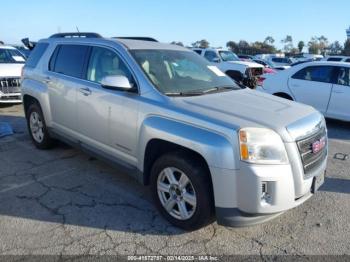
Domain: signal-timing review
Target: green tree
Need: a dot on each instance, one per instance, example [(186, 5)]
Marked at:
[(233, 46), (201, 44), (269, 40), (335, 48), (288, 43), (301, 46), (177, 43), (314, 47), (347, 48)]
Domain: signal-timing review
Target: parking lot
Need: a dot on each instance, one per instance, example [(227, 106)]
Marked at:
[(64, 202)]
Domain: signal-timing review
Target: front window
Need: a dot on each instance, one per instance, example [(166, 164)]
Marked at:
[(11, 56), (181, 72), (228, 56)]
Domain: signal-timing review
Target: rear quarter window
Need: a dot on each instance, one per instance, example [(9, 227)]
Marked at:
[(36, 54)]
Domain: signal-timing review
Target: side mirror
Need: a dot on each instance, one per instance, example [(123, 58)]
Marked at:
[(116, 82), (216, 60)]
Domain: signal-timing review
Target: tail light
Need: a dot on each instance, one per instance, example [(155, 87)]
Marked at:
[(261, 80)]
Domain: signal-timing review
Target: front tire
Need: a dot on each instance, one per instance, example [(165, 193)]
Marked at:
[(37, 127), (182, 190)]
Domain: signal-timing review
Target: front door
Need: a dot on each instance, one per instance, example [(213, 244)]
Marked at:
[(107, 118)]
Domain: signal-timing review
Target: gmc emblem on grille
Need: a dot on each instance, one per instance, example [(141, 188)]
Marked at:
[(318, 145)]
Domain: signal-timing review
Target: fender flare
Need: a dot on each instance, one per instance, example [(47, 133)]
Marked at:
[(215, 148)]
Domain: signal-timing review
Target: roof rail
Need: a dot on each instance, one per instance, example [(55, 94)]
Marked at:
[(71, 35), (142, 38)]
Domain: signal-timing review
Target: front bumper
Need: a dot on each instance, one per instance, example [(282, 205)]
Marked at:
[(10, 98), (240, 197)]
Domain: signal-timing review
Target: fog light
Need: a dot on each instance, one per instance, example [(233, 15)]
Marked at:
[(265, 196)]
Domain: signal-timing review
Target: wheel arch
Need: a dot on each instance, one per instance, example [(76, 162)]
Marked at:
[(284, 95), (159, 135)]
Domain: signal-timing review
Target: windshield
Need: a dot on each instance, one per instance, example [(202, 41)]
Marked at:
[(228, 56), (11, 56), (181, 72)]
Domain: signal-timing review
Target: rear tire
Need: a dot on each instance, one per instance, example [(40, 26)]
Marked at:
[(182, 190), (37, 128)]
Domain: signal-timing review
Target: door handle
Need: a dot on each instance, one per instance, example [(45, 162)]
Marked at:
[(338, 92), (47, 80), (85, 91)]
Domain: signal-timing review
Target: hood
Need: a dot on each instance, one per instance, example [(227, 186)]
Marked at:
[(247, 64), (247, 108), (10, 70)]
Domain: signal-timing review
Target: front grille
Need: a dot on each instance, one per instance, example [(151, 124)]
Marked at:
[(312, 160), (10, 85)]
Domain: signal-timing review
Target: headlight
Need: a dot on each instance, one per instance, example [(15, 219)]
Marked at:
[(262, 146)]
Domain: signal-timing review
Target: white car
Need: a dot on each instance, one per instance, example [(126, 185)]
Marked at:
[(323, 85), (11, 64), (337, 58), (228, 62)]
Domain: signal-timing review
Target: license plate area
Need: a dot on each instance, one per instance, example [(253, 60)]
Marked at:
[(317, 183)]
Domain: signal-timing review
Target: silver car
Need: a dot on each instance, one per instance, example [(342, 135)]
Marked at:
[(208, 148)]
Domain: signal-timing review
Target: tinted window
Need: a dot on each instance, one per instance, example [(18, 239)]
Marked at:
[(343, 76), (210, 55), (198, 51), (70, 60), (104, 62), (315, 73), (334, 59), (347, 60), (280, 60), (36, 54)]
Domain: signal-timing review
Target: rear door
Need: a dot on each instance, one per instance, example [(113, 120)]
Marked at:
[(63, 80), (312, 85), (340, 97)]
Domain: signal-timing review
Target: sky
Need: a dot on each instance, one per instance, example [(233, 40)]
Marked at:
[(178, 20)]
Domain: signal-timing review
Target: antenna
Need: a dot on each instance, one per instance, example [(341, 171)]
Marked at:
[(77, 29)]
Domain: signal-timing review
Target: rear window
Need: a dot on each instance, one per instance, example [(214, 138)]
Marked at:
[(347, 60), (36, 54), (69, 60), (334, 59)]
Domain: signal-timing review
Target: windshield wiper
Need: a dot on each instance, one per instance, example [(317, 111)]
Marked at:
[(189, 93), (220, 89), (202, 92)]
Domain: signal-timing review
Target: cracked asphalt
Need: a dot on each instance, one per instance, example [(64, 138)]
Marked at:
[(64, 202)]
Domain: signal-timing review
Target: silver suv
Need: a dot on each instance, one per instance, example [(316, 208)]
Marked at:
[(207, 147)]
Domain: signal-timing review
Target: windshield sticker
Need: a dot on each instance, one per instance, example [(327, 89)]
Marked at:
[(18, 58), (216, 70)]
